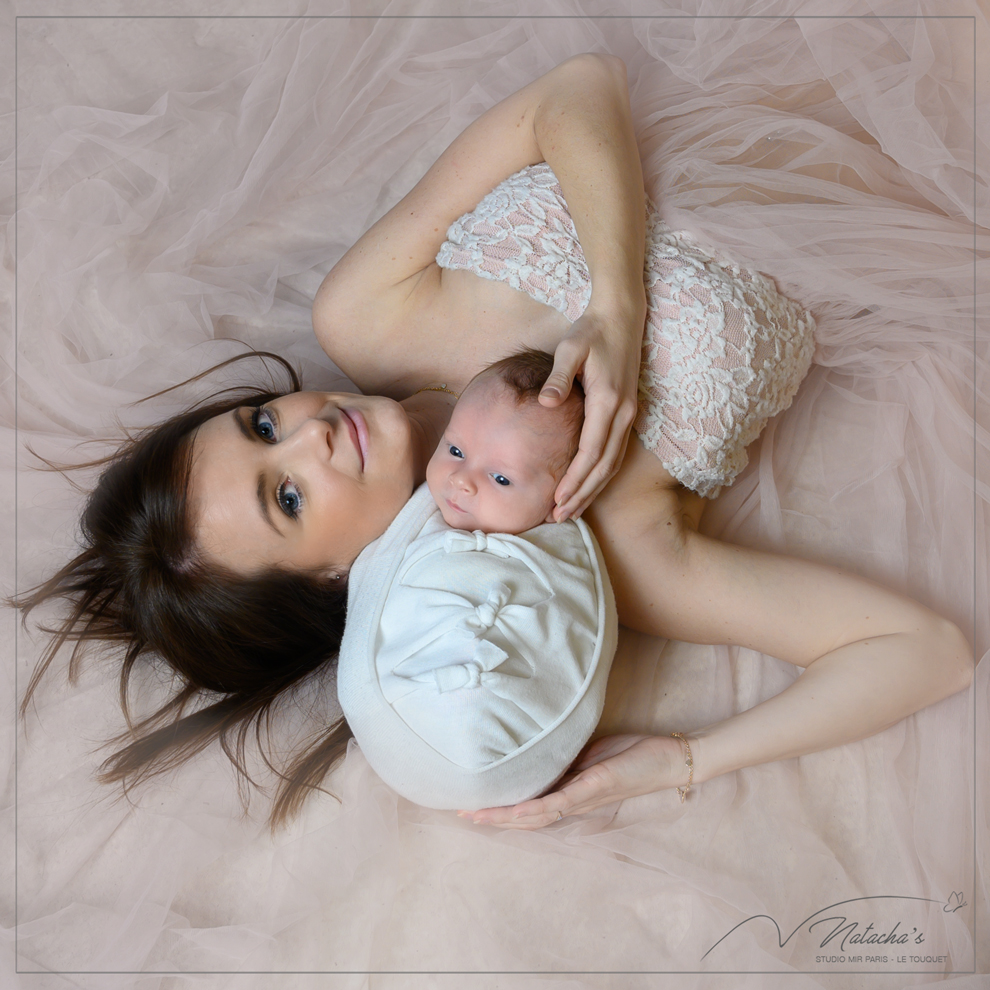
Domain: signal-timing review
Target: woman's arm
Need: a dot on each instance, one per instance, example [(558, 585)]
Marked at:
[(603, 346), (871, 656), (576, 118)]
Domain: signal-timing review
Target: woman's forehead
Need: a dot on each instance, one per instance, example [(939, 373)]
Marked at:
[(224, 430), (225, 494)]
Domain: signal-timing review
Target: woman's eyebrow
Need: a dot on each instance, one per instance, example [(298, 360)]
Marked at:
[(262, 484), (263, 502), (249, 434)]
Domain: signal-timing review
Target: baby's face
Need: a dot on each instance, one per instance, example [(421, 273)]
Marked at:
[(490, 471)]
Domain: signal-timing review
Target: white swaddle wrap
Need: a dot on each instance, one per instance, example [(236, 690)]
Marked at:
[(473, 666)]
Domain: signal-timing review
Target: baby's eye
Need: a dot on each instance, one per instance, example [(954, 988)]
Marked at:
[(454, 451), (501, 479), (289, 499), (263, 424)]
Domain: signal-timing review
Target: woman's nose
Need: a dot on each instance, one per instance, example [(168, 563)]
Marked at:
[(311, 435)]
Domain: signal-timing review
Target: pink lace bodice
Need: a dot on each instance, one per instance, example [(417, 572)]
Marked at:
[(723, 350)]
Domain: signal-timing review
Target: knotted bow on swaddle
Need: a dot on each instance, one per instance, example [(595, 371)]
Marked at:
[(473, 667)]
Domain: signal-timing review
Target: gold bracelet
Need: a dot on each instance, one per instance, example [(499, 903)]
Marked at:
[(682, 792)]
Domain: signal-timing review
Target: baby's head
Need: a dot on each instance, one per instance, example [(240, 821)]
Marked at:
[(503, 454)]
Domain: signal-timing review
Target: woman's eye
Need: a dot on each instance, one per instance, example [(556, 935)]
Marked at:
[(289, 499), (263, 424), (454, 451), (501, 479)]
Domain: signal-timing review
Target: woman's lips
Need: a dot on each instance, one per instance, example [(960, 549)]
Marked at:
[(358, 429)]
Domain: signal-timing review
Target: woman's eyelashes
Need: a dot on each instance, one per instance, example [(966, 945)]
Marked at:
[(263, 424), (290, 499), (287, 495)]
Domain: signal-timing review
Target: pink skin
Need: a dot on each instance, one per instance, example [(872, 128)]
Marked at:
[(333, 470), (491, 439)]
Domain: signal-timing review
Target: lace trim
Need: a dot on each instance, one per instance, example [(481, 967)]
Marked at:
[(522, 234)]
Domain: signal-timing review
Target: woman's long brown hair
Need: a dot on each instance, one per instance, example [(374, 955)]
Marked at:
[(238, 645)]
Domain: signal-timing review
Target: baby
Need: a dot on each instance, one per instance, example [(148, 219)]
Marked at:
[(503, 454)]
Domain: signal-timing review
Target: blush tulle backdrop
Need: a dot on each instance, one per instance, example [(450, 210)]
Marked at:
[(184, 184)]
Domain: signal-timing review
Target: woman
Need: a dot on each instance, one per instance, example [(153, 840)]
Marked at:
[(305, 481), (770, 840), (854, 639)]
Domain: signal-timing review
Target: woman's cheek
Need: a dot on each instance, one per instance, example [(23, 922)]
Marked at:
[(434, 474)]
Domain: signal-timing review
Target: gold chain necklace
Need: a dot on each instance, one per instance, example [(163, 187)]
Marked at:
[(437, 388)]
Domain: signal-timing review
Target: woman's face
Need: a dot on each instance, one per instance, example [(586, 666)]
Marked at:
[(304, 482)]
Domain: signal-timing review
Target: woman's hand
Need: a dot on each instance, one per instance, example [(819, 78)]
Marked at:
[(611, 769), (606, 354)]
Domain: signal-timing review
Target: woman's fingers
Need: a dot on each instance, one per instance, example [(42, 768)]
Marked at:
[(593, 468), (531, 814), (608, 365), (611, 769), (603, 748), (582, 794), (568, 360), (593, 780)]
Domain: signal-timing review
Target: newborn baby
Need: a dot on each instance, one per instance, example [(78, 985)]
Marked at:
[(502, 455), (473, 667)]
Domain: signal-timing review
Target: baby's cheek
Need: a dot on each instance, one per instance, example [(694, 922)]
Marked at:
[(549, 490), (449, 517), (434, 481), (524, 516)]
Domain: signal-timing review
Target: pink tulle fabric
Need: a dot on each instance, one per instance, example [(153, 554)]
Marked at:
[(184, 184)]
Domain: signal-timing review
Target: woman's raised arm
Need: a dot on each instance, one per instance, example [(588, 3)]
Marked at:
[(577, 119)]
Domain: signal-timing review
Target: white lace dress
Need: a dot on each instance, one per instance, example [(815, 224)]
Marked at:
[(723, 350)]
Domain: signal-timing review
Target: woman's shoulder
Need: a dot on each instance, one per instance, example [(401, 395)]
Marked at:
[(368, 332)]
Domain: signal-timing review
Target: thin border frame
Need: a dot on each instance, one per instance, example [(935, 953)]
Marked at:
[(496, 17)]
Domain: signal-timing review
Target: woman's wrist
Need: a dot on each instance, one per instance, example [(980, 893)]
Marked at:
[(618, 298), (684, 789), (618, 310), (695, 768), (720, 748)]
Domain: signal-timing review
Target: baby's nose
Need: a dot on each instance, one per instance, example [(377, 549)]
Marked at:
[(463, 481)]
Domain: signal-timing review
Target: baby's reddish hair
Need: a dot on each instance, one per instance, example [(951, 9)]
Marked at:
[(524, 374)]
